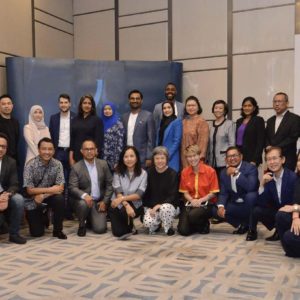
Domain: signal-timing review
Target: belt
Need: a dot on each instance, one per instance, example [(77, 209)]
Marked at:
[(63, 148)]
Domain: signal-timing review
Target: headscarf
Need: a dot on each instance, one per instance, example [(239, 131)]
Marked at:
[(39, 125), (165, 121), (109, 122)]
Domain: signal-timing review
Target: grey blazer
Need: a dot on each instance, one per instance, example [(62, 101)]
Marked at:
[(80, 181)]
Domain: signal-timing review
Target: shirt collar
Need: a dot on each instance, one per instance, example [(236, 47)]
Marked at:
[(88, 164), (280, 176)]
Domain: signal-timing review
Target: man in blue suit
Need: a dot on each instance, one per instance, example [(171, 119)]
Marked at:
[(139, 128), (276, 190), (60, 127), (238, 193)]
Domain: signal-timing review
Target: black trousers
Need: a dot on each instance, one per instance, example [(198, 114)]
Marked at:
[(265, 215), (36, 217), (193, 219), (121, 223)]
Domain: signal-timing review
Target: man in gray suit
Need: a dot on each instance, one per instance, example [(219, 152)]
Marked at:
[(90, 188), (170, 94), (139, 128)]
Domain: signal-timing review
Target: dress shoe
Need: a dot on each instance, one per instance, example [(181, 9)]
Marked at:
[(241, 229), (170, 231), (81, 231), (206, 229), (17, 239), (251, 235), (4, 228), (274, 237), (125, 236), (60, 235)]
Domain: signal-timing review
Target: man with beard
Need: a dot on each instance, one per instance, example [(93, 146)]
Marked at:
[(139, 128), (170, 94), (59, 127)]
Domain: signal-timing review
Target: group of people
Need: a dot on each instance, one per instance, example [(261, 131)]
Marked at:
[(152, 166)]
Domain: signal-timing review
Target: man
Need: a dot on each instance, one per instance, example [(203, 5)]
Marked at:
[(11, 203), (139, 128), (9, 126), (90, 186), (170, 94), (60, 125), (238, 193), (276, 190), (44, 182), (283, 130)]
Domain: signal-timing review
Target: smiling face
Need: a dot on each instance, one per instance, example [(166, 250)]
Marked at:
[(193, 159), (167, 110), (129, 159), (219, 110), (64, 105), (86, 106), (170, 92), (88, 151), (248, 108), (191, 107), (107, 111), (135, 101), (46, 151), (160, 162), (38, 115), (233, 158), (274, 161)]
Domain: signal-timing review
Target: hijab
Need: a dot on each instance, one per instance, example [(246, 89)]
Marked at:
[(109, 122), (32, 123)]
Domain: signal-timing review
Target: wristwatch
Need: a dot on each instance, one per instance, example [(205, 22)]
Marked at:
[(296, 208)]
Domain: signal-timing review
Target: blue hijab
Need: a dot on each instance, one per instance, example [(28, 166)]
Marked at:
[(109, 122)]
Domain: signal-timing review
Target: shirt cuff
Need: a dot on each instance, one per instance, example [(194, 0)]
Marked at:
[(83, 195)]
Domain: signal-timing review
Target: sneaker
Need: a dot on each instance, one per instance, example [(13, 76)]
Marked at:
[(17, 239)]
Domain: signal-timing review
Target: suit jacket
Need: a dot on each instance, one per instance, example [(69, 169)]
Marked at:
[(269, 197), (296, 198), (143, 135), (253, 140), (247, 182), (172, 141), (54, 126), (157, 112), (80, 181), (286, 137), (9, 175)]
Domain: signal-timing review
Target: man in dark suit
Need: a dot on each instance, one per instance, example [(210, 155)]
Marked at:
[(283, 130), (11, 203), (238, 193), (60, 125), (90, 187), (139, 128), (276, 190)]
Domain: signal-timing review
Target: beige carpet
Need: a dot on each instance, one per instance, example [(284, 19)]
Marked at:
[(215, 266)]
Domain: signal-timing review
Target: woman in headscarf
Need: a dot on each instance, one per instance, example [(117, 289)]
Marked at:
[(113, 134), (34, 131), (170, 133)]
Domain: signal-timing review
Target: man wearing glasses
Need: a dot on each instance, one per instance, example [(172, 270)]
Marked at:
[(90, 188), (238, 193)]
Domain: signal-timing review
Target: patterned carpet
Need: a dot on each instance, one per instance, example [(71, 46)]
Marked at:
[(215, 266)]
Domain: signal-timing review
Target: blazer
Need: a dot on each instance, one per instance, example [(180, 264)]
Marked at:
[(80, 181), (172, 141), (247, 182), (143, 135), (296, 198), (157, 112), (9, 175), (286, 137), (54, 126), (253, 140), (269, 197)]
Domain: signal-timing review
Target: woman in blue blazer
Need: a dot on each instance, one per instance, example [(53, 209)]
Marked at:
[(169, 134)]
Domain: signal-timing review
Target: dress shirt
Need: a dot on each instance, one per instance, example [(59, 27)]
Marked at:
[(1, 188), (95, 189), (130, 130), (64, 131), (278, 182)]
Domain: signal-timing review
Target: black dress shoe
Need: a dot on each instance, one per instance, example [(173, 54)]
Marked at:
[(251, 235), (4, 228), (242, 229), (81, 231), (274, 237), (17, 239), (205, 229), (60, 235), (171, 231)]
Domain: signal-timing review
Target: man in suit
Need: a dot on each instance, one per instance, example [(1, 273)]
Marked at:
[(276, 190), (238, 193), (139, 128), (60, 125), (90, 187), (283, 130), (11, 203), (170, 94)]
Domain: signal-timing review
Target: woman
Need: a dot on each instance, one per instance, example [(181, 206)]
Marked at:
[(250, 132), (113, 134), (129, 184), (195, 129), (222, 136), (199, 185), (34, 131), (160, 199), (170, 133), (86, 125)]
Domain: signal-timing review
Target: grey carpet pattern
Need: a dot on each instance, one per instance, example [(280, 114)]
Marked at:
[(214, 266)]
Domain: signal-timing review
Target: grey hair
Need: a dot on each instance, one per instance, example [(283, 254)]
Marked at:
[(160, 150)]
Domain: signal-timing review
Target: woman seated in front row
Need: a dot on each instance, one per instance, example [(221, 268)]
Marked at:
[(129, 184), (160, 199), (199, 185)]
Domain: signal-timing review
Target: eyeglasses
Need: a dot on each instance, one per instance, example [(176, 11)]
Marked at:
[(89, 149), (3, 146), (232, 156)]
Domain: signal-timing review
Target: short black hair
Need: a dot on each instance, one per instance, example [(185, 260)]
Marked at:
[(234, 148), (220, 102), (135, 91), (286, 97), (199, 112), (253, 102), (46, 140), (4, 136), (171, 83), (65, 96), (267, 151), (5, 96), (88, 140)]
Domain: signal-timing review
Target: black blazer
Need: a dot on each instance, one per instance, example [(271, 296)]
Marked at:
[(9, 175), (253, 140), (286, 137)]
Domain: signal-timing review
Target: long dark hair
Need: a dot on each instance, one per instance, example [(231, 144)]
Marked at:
[(93, 110), (199, 112), (254, 103), (121, 167)]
